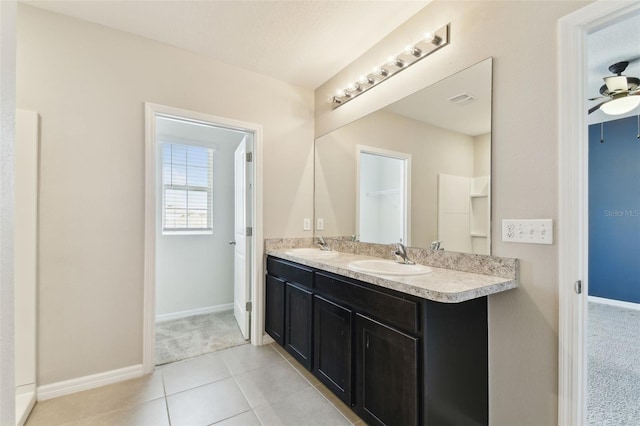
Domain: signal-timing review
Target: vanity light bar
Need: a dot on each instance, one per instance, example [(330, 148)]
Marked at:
[(409, 56)]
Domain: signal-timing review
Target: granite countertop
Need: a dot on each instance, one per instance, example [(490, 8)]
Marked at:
[(441, 285)]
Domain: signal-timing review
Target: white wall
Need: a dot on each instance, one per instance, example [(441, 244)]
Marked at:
[(521, 37), (7, 135), (196, 271), (89, 84)]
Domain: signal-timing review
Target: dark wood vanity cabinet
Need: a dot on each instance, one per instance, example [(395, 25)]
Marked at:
[(274, 300), (298, 323), (396, 359), (332, 339), (288, 293)]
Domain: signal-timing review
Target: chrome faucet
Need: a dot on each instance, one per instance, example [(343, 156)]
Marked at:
[(435, 245), (323, 244), (401, 252)]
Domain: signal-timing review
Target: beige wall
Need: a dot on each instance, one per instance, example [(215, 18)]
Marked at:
[(89, 84), (482, 155), (521, 36)]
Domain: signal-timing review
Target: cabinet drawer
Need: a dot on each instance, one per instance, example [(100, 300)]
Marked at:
[(397, 311), (290, 271)]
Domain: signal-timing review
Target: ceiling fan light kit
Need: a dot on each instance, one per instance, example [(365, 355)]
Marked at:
[(621, 105), (622, 92)]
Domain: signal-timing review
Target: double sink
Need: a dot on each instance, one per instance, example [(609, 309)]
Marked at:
[(367, 266)]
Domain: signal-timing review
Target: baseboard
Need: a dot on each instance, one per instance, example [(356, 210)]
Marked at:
[(67, 387), (612, 302), (25, 401), (192, 312)]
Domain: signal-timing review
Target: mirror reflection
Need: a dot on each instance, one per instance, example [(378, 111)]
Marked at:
[(417, 171)]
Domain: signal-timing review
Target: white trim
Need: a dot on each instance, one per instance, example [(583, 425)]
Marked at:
[(7, 206), (613, 302), (191, 312), (92, 381), (406, 196), (573, 203), (266, 339), (257, 252), (25, 401)]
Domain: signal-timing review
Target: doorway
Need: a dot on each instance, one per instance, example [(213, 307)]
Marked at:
[(573, 240), (384, 182), (201, 250)]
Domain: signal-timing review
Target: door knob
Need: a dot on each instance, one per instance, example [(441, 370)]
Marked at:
[(232, 243)]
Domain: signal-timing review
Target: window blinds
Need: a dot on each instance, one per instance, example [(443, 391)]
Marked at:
[(187, 180)]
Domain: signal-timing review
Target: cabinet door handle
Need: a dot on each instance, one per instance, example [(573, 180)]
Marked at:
[(367, 343)]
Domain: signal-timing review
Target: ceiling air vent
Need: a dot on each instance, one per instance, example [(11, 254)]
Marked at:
[(462, 99)]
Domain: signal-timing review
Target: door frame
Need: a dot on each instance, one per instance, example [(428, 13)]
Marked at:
[(150, 226), (406, 188), (573, 199)]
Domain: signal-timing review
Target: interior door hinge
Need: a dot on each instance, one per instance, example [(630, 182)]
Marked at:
[(248, 307), (249, 157), (249, 231), (578, 287)]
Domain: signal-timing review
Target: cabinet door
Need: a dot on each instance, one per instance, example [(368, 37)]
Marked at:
[(274, 307), (332, 347), (386, 374), (298, 320)]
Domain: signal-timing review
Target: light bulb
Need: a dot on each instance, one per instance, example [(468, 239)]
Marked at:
[(395, 61), (380, 71), (340, 93), (354, 87), (363, 79), (412, 50), (432, 38)]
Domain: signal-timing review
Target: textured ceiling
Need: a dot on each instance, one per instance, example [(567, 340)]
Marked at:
[(614, 43), (302, 42)]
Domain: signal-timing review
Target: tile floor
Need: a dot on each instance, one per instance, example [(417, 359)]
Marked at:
[(245, 385)]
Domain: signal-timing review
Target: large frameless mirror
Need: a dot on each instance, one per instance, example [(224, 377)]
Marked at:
[(417, 171)]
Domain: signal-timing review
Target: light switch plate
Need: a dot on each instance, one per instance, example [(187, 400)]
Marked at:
[(529, 231)]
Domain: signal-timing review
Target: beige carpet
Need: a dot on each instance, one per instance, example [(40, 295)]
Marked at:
[(196, 335)]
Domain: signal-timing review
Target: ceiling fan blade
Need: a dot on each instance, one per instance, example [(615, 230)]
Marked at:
[(597, 97), (597, 107)]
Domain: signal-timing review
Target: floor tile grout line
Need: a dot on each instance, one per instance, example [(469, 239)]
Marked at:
[(230, 417), (315, 387), (166, 400), (245, 397), (332, 404)]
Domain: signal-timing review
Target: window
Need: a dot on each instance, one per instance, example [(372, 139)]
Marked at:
[(187, 189)]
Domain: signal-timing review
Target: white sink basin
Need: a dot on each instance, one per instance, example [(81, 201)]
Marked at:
[(387, 267), (311, 252)]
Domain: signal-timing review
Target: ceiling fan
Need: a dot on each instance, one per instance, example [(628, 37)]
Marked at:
[(622, 93)]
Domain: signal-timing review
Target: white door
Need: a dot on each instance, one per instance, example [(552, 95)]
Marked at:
[(383, 196), (241, 293)]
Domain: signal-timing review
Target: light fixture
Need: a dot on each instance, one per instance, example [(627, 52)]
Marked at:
[(621, 105), (412, 53)]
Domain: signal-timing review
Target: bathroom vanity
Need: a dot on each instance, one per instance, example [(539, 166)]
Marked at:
[(398, 350)]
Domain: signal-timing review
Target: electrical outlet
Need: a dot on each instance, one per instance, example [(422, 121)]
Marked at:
[(530, 231), (320, 224), (306, 224)]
